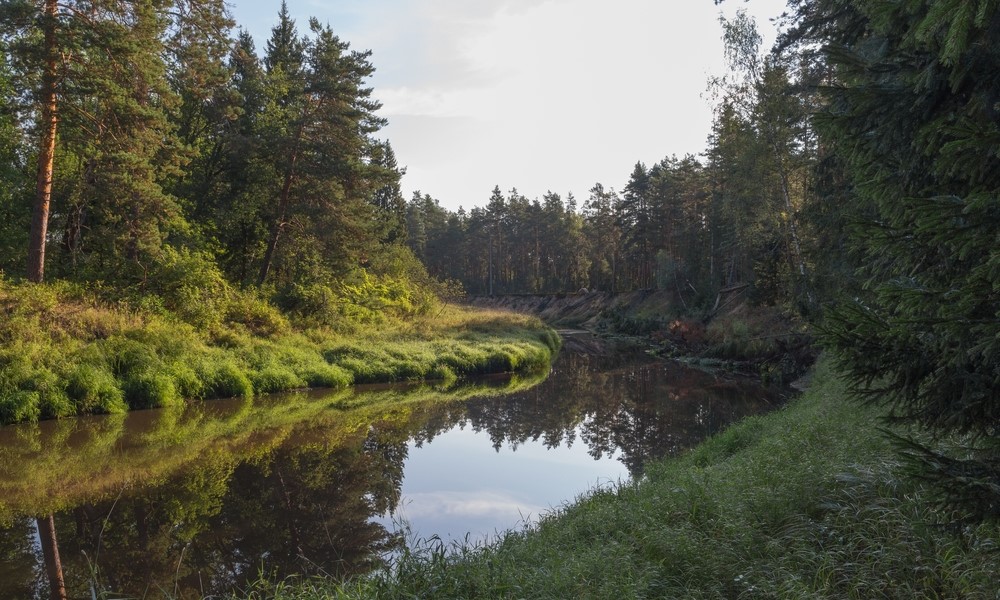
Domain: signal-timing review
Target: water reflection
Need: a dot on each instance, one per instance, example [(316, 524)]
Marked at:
[(198, 501)]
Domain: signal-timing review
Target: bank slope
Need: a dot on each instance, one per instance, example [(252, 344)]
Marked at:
[(63, 352)]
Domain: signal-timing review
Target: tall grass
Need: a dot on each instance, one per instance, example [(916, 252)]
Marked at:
[(63, 352), (806, 502)]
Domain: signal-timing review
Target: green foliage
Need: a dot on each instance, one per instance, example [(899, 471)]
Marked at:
[(909, 119), (150, 390), (256, 315), (19, 405), (95, 390), (191, 286), (227, 380)]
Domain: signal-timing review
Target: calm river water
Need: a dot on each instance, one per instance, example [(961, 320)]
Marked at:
[(199, 500)]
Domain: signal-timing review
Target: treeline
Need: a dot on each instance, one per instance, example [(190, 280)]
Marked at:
[(852, 174), (151, 147), (733, 219)]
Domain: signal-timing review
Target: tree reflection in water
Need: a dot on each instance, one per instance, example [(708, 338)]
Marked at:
[(294, 486)]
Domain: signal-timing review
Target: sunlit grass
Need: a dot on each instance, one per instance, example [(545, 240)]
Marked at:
[(65, 353)]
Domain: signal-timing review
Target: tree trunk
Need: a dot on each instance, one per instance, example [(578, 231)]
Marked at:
[(279, 223), (50, 553), (47, 149)]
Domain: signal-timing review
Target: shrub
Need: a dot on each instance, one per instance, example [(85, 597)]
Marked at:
[(275, 378), (191, 286), (189, 384), (19, 405), (126, 357), (228, 381), (321, 375), (95, 390), (255, 314), (150, 390)]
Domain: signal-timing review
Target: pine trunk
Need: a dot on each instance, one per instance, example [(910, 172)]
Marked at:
[(47, 150), (50, 553)]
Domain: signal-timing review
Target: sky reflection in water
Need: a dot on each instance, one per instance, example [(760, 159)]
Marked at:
[(198, 501)]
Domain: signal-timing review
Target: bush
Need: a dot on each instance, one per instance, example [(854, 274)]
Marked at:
[(150, 390), (275, 378), (127, 357), (189, 384), (326, 376), (228, 381), (19, 405), (191, 286), (257, 315), (95, 390)]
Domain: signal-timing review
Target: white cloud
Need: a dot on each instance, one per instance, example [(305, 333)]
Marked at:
[(534, 94), (495, 505)]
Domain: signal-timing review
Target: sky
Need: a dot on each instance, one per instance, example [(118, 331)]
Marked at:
[(537, 95)]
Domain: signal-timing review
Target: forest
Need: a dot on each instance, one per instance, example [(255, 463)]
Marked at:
[(152, 156)]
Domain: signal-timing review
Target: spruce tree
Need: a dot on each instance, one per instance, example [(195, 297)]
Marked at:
[(912, 112)]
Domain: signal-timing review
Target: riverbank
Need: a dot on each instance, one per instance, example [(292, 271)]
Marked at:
[(64, 352), (770, 342), (806, 502)]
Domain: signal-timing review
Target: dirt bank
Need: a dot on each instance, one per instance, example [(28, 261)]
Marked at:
[(761, 340), (586, 310)]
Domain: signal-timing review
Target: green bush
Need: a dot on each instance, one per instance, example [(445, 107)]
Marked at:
[(189, 383), (275, 378), (150, 390), (323, 375), (127, 357), (19, 405), (191, 286), (227, 381), (95, 390), (257, 315)]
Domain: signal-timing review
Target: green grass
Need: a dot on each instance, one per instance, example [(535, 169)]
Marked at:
[(807, 502), (63, 352)]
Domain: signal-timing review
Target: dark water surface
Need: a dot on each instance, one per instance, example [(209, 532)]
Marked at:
[(201, 499)]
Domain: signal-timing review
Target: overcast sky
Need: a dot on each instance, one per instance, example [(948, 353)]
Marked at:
[(534, 94)]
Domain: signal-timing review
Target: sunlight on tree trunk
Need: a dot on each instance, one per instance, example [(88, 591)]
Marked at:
[(47, 149)]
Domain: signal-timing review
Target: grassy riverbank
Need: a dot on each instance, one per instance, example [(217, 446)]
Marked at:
[(65, 352), (807, 502)]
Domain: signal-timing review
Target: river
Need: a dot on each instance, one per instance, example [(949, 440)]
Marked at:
[(200, 500)]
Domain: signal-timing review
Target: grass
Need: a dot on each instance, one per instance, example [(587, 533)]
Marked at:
[(807, 502), (64, 353)]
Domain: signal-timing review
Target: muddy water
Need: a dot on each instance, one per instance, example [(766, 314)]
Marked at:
[(201, 500)]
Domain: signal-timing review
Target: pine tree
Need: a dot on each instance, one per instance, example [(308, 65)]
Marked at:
[(388, 199), (318, 127), (100, 108)]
